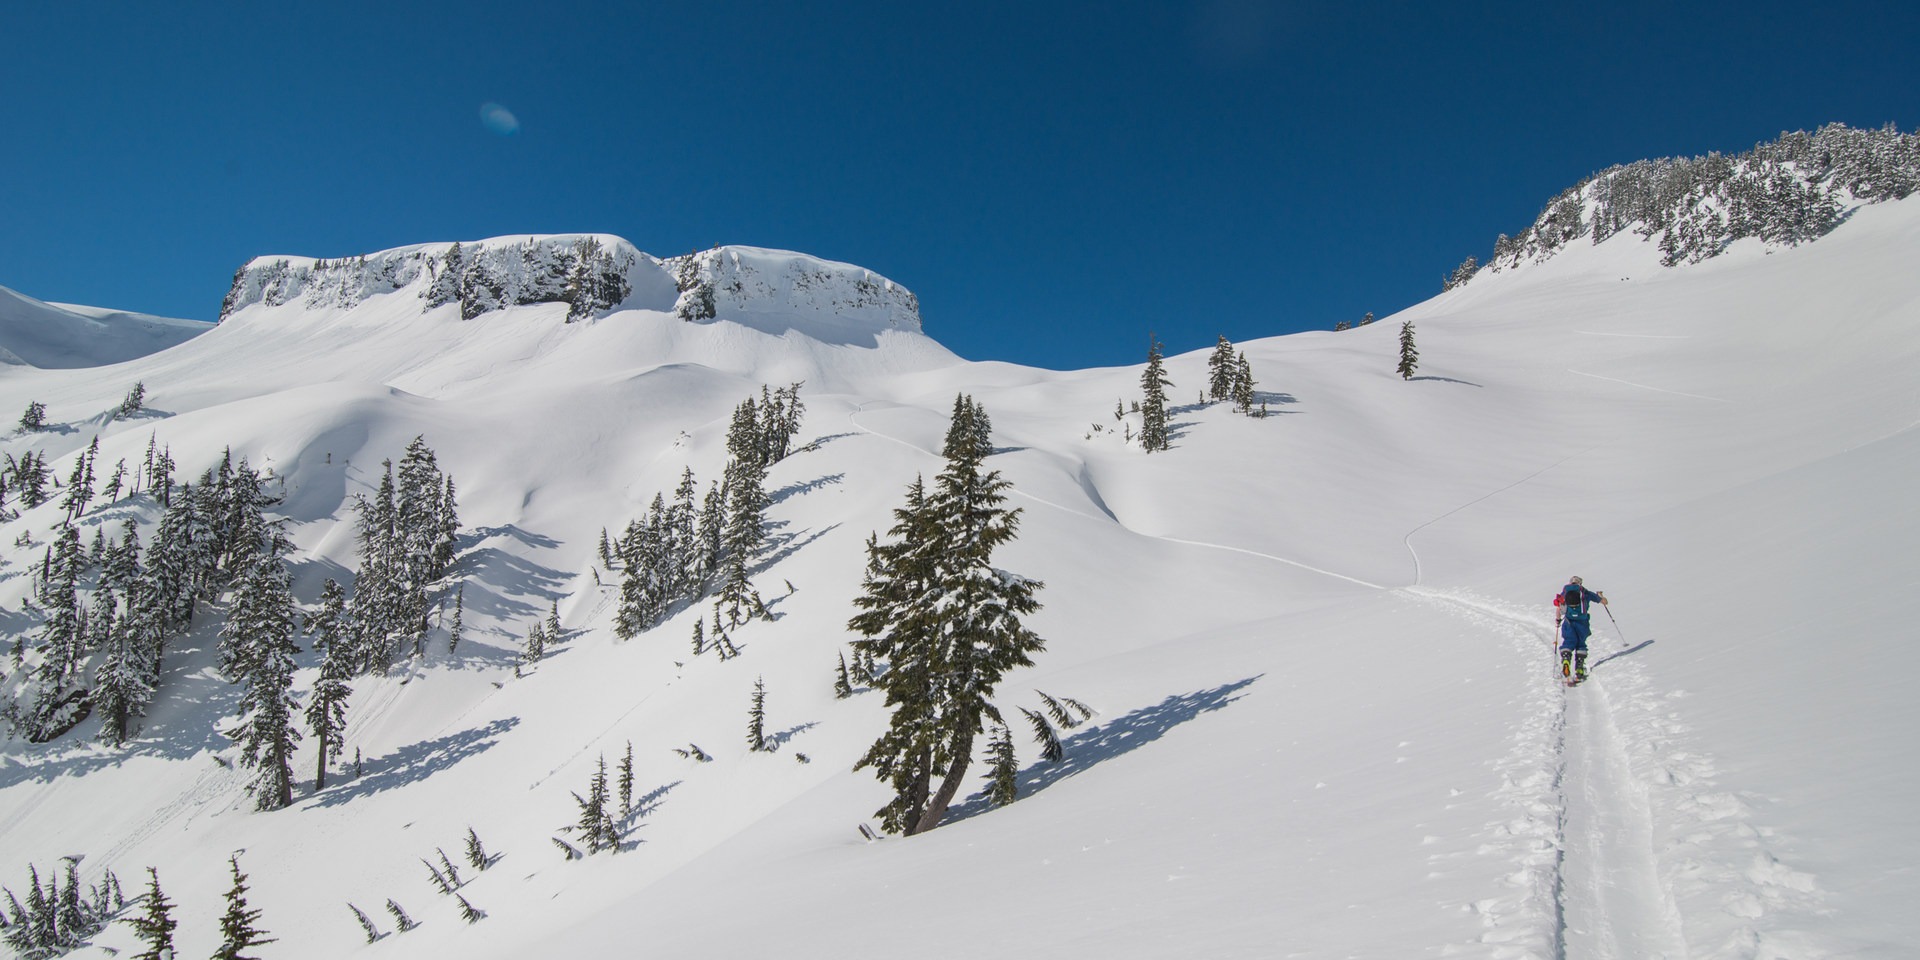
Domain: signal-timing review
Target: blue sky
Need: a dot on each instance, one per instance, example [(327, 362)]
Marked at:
[(1053, 180)]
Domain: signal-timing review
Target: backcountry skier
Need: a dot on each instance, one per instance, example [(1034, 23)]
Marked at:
[(1570, 615)]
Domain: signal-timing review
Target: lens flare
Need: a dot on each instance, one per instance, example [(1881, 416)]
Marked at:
[(499, 119)]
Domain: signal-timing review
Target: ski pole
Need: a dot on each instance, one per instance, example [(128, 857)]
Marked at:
[(1616, 625)]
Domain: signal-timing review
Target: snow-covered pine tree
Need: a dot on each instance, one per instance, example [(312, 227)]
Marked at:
[(553, 621), (327, 705), (468, 912), (366, 923), (256, 650), (79, 486), (155, 924), (237, 926), (439, 879), (699, 636), (536, 646), (379, 601), (947, 624), (446, 865), (1409, 357), (123, 686), (1154, 434), (400, 917), (1220, 371), (757, 717), (1341, 326), (745, 534)]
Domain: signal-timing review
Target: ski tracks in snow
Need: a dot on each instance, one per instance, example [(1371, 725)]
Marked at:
[(1623, 846)]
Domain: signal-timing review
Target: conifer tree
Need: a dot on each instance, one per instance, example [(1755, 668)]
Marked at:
[(256, 650), (123, 686), (745, 533), (366, 924), (1341, 326), (597, 830), (842, 682), (947, 625), (468, 911), (626, 783), (155, 925), (400, 916), (237, 926), (536, 647), (459, 604), (477, 854), (1003, 768), (757, 718), (1242, 385), (1409, 357), (34, 418), (1153, 406), (1221, 371), (1366, 319), (327, 706), (553, 622)]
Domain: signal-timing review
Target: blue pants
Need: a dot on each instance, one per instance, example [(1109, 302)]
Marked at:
[(1574, 633)]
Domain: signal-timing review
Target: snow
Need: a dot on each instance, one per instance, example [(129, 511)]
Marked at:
[(34, 333), (1318, 643)]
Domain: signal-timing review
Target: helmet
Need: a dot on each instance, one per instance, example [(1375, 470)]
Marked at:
[(1574, 580)]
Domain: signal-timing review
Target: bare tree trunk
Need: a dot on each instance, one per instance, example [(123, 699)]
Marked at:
[(937, 808)]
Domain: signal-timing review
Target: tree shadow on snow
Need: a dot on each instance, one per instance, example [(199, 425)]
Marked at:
[(1115, 738), (415, 762), (805, 486), (643, 807), (1447, 380)]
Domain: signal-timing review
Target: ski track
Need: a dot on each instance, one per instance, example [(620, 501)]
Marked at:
[(1642, 386), (1624, 846)]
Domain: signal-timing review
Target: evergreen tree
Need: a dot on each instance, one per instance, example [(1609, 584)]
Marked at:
[(1409, 357), (135, 401), (1221, 371), (745, 534), (1341, 326), (536, 646), (327, 706), (468, 912), (400, 916), (477, 854), (1153, 406), (842, 682), (596, 829), (1366, 319), (256, 649), (1003, 774), (237, 926), (79, 485), (366, 924), (757, 718), (553, 621), (34, 418), (626, 783), (155, 925), (30, 478), (1242, 385), (459, 604), (947, 624), (123, 686)]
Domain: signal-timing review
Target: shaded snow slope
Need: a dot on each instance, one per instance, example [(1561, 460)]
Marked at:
[(63, 336), (1318, 642)]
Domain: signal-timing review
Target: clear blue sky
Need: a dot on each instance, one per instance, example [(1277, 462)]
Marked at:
[(1053, 180)]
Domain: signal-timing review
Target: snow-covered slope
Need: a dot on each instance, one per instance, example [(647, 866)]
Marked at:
[(64, 336), (1318, 642)]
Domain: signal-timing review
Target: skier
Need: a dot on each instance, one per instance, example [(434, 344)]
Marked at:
[(1570, 615)]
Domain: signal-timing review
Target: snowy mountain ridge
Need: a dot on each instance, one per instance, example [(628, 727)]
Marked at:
[(593, 274), (34, 333)]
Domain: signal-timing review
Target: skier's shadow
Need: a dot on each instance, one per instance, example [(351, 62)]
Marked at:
[(1636, 648), (1109, 740)]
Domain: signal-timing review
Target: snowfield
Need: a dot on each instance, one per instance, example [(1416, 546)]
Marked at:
[(1319, 642)]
